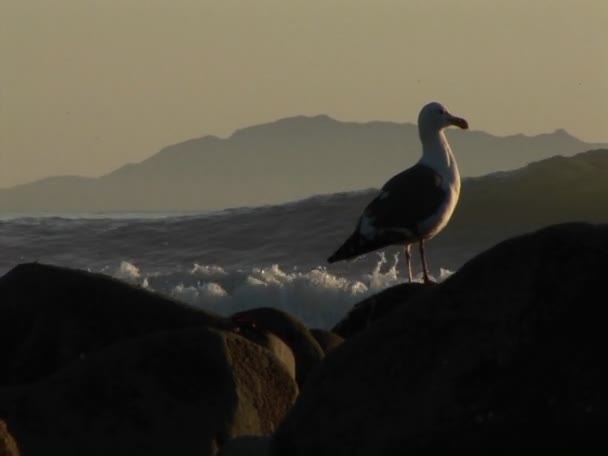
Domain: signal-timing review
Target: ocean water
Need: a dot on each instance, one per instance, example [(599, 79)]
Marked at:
[(223, 261)]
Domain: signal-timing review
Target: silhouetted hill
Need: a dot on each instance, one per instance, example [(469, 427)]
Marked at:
[(288, 159)]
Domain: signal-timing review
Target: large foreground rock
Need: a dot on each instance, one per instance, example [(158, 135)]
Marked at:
[(249, 445), (51, 316), (306, 350), (378, 306), (507, 354), (272, 343), (8, 446), (327, 340), (181, 392)]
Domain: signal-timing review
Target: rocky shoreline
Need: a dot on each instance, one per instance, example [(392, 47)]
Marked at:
[(505, 355)]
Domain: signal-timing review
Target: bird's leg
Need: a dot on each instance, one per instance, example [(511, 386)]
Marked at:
[(425, 270), (408, 260)]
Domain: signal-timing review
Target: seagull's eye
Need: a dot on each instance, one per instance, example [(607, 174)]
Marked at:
[(442, 111)]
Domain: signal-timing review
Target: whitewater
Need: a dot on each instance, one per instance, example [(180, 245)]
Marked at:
[(222, 261)]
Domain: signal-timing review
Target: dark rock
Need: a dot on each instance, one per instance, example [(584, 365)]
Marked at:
[(328, 340), (507, 354), (8, 446), (272, 343), (248, 445), (182, 392), (52, 316), (365, 312), (307, 351)]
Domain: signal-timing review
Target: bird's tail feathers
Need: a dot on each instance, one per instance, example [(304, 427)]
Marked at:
[(357, 245), (348, 250)]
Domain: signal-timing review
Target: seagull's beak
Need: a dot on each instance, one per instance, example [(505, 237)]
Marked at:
[(459, 122)]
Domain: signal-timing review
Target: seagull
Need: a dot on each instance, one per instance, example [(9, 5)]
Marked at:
[(416, 204)]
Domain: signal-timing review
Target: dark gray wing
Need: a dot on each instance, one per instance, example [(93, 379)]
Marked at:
[(404, 201), (394, 215)]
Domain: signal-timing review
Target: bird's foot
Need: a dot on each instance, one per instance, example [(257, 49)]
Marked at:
[(428, 279)]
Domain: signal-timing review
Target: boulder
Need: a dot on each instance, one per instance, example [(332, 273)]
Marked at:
[(247, 445), (371, 309), (272, 343), (328, 340), (183, 392), (307, 351), (507, 354), (8, 446), (52, 316)]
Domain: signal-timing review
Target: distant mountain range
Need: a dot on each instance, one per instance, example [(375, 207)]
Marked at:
[(285, 160)]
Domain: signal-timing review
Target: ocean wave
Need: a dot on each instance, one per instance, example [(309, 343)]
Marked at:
[(229, 260), (318, 297)]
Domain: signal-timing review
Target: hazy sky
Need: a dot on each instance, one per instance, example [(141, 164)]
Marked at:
[(87, 85)]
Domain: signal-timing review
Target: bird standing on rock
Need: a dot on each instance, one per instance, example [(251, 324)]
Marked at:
[(416, 204)]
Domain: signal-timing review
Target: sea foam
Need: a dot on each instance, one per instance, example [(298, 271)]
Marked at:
[(316, 296)]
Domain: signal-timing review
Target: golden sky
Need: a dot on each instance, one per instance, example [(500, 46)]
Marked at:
[(88, 85)]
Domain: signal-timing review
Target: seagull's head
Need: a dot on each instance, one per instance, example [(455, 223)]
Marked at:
[(435, 117)]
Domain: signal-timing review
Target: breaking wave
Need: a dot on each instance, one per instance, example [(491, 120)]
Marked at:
[(318, 297)]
